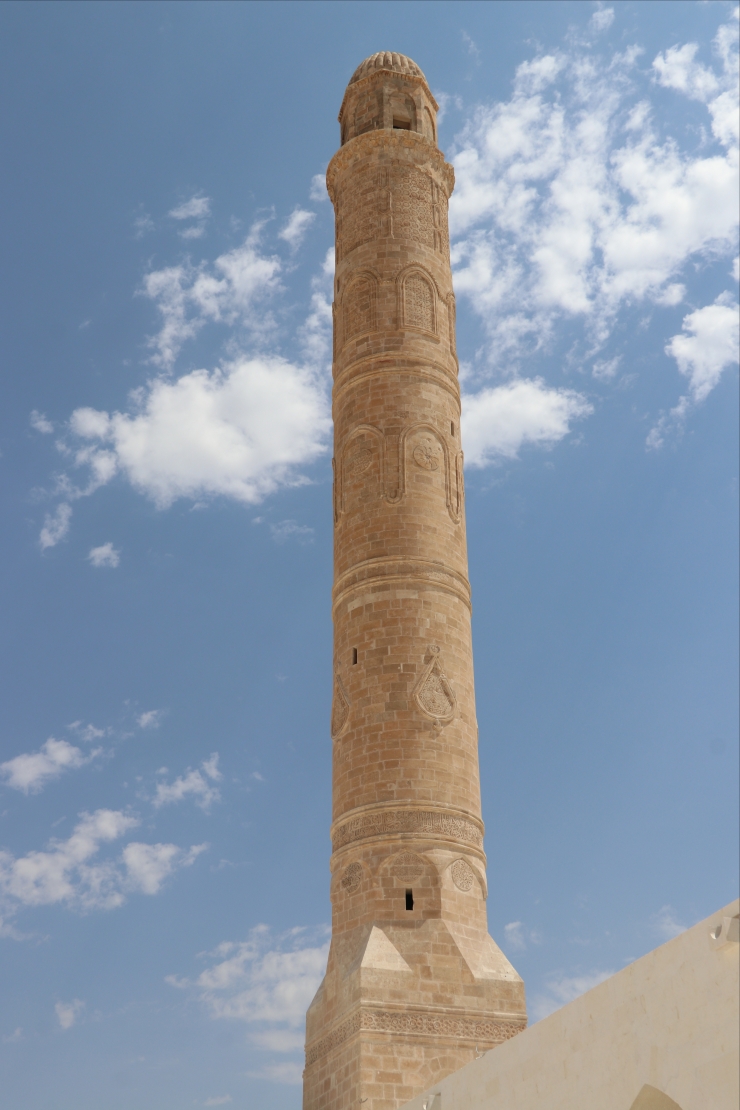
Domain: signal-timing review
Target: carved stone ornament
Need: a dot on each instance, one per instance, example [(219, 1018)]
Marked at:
[(352, 877), (407, 867), (462, 874), (426, 456), (360, 462), (414, 821), (433, 693), (339, 709)]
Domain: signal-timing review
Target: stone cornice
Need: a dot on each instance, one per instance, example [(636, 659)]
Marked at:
[(420, 148)]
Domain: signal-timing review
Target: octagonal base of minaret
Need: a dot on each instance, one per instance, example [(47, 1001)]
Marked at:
[(400, 1008)]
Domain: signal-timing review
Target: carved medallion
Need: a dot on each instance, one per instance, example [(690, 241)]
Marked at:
[(407, 867), (433, 693), (352, 877), (426, 456), (462, 874), (339, 709)]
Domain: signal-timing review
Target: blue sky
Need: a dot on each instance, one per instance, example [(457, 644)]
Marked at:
[(166, 544)]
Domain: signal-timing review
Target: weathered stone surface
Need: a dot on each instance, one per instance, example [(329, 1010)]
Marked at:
[(414, 983)]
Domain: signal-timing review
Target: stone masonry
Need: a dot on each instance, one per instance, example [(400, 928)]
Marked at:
[(414, 984)]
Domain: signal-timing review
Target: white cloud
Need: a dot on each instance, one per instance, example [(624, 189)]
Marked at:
[(471, 46), (602, 19), (151, 719), (189, 296), (88, 732), (295, 230), (268, 983), (563, 989), (666, 924), (104, 556), (569, 207), (514, 936), (197, 231), (56, 526), (68, 872), (148, 865), (241, 431), (197, 208), (40, 423), (289, 529), (68, 1012), (498, 421), (192, 784), (318, 191), (31, 771), (606, 368), (707, 345)]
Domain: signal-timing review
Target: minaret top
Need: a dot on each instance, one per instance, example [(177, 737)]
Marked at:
[(398, 63), (388, 91)]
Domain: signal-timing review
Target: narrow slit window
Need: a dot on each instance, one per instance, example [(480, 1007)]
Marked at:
[(452, 429), (354, 656), (409, 899)]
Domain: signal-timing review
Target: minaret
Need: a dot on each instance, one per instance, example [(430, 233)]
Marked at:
[(414, 983)]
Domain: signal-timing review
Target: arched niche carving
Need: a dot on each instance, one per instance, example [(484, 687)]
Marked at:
[(359, 305), (425, 455), (650, 1098), (451, 322), (360, 468), (418, 302)]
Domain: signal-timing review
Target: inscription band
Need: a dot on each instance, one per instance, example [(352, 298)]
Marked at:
[(423, 822)]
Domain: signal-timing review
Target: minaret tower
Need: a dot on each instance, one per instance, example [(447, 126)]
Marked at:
[(414, 983)]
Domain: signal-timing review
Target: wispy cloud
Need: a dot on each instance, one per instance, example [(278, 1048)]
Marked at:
[(104, 556), (267, 982), (31, 771), (152, 718), (40, 423), (665, 923), (517, 936), (562, 989), (290, 529), (295, 229), (68, 1012), (56, 526), (602, 18), (193, 784), (197, 208)]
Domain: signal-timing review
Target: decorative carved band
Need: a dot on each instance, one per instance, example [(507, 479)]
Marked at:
[(418, 1023), (418, 821)]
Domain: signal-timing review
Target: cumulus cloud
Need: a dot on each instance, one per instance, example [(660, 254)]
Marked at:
[(497, 422), (295, 229), (707, 345), (562, 989), (40, 423), (68, 872), (570, 207), (68, 1012), (268, 983), (193, 784), (56, 526), (104, 556), (31, 771), (242, 431)]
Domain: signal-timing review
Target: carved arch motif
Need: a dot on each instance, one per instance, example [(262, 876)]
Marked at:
[(451, 322), (356, 459), (359, 305), (418, 302), (453, 491)]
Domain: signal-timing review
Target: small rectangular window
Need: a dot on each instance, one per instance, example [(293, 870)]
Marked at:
[(409, 899), (401, 124), (354, 656)]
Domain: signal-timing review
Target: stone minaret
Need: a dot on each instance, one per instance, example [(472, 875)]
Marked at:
[(414, 983)]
